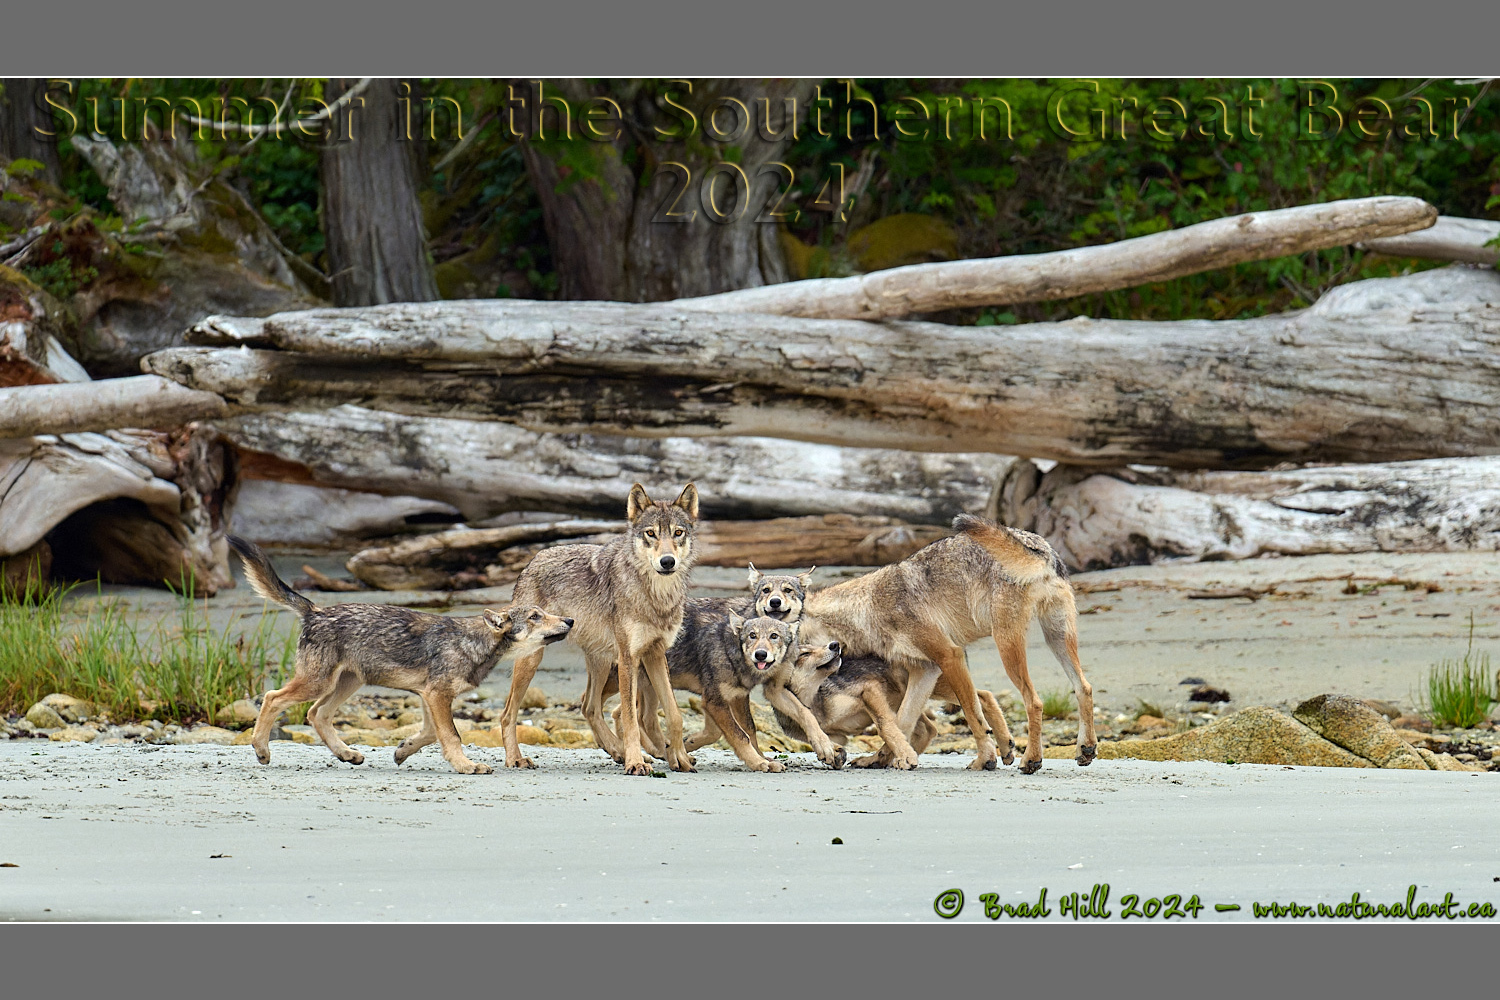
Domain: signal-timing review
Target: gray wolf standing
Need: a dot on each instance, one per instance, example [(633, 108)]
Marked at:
[(923, 611), (627, 598), (343, 646)]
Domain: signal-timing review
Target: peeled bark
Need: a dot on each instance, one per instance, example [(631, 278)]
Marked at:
[(605, 228), (141, 401), (1123, 517), (377, 247), (1466, 240), (485, 468), (132, 506), (1065, 274), (465, 559), (1380, 370), (30, 320), (21, 114)]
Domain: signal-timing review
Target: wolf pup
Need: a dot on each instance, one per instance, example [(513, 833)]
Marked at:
[(627, 598), (847, 695), (716, 657), (706, 642), (345, 645), (987, 580)]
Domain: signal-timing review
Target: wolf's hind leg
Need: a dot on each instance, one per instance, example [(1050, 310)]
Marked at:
[(320, 717), (1059, 619), (311, 680), (603, 680)]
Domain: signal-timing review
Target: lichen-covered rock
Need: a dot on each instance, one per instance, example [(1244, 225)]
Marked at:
[(1359, 729), (44, 716), (1254, 736), (204, 734), (70, 708), (74, 734), (1445, 762)]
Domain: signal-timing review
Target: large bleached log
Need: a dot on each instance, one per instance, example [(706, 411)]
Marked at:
[(138, 401), (994, 281), (487, 557), (1450, 239), (1123, 517), (1381, 370), (315, 517), (485, 468), (132, 506)]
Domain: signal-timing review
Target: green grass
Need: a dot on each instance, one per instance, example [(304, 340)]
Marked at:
[(1460, 692), (1057, 704), (1143, 707), (183, 670)]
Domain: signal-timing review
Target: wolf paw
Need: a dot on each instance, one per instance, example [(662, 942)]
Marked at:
[(1031, 766), (837, 759), (1010, 754), (471, 767), (638, 769), (772, 766), (520, 762), (354, 758), (869, 760), (906, 762), (264, 756), (1086, 755)]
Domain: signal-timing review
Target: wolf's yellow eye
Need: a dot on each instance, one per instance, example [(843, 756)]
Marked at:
[(678, 533), (650, 533)]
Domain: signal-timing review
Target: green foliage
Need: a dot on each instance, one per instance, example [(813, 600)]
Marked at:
[(23, 167), (1057, 704), (1040, 192), (184, 672), (1460, 692), (60, 277)]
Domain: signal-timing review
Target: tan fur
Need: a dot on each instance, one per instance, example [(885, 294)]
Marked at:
[(627, 611), (846, 699), (920, 613)]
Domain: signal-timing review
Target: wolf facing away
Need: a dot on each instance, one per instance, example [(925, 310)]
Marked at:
[(846, 696), (342, 646), (920, 613), (626, 597)]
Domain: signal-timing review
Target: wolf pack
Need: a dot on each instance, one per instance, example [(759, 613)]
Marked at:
[(832, 662)]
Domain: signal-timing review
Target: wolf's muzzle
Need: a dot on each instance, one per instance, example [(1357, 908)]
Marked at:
[(665, 564)]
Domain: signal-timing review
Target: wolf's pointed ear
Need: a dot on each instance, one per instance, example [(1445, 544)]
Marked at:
[(791, 640), (804, 580), (688, 500), (636, 502), (755, 575), (736, 623), (497, 620)]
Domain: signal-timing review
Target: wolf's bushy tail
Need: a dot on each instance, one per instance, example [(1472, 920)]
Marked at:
[(1024, 562), (263, 579)]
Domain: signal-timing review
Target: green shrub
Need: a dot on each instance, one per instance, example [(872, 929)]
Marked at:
[(1460, 692), (1057, 704), (184, 670)]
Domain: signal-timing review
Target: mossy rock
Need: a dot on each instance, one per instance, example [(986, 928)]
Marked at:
[(898, 240)]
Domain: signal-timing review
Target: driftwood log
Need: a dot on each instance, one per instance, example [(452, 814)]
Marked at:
[(486, 468), (487, 557), (292, 515), (1450, 239), (138, 401), (131, 506), (1380, 370), (994, 281), (1123, 517)]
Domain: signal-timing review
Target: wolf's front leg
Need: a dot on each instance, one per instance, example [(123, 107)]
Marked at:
[(788, 704), (630, 726), (521, 673), (655, 662)]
